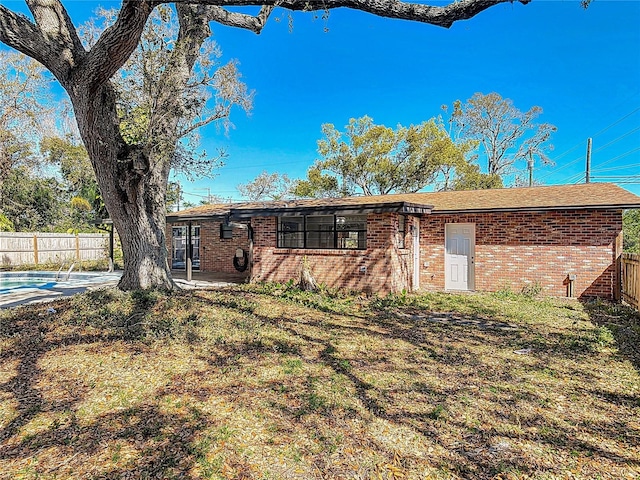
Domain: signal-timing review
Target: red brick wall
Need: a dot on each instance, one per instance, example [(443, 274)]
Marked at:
[(516, 249), (386, 267), (216, 254)]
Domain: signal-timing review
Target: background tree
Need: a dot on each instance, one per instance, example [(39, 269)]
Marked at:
[(133, 175), (32, 202), (23, 96), (469, 177), (317, 185), (376, 160), (266, 186), (505, 134), (71, 158), (631, 229)]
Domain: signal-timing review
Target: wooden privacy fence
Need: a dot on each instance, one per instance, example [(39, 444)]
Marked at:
[(34, 248), (631, 279)]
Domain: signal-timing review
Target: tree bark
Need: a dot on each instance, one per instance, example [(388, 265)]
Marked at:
[(133, 187)]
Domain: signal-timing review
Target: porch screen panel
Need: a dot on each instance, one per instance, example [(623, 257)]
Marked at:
[(347, 232), (291, 232), (320, 231), (178, 247), (351, 231)]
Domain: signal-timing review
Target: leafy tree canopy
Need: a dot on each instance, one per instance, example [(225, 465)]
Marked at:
[(469, 177), (376, 160), (631, 231)]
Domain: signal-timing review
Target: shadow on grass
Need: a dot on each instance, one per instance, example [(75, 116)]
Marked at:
[(158, 444), (174, 445), (620, 321), (480, 454)]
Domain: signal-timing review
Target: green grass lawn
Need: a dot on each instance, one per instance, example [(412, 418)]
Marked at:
[(266, 382)]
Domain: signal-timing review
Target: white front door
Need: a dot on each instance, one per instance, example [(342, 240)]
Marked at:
[(459, 256)]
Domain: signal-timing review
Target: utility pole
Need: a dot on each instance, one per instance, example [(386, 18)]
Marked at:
[(530, 165), (208, 197), (587, 176)]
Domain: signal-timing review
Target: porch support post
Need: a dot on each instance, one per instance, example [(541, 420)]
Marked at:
[(189, 253)]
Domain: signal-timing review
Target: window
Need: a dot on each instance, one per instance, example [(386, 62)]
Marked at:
[(351, 232), (323, 231), (291, 232), (402, 230), (320, 232)]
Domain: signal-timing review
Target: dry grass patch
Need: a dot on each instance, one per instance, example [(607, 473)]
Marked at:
[(266, 382)]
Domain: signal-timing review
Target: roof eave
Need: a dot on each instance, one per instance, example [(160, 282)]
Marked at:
[(198, 217), (395, 207)]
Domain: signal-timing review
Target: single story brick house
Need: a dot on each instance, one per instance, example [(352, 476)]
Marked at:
[(565, 239)]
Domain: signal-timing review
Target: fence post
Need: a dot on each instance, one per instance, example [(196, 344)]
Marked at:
[(637, 281), (77, 247), (35, 249)]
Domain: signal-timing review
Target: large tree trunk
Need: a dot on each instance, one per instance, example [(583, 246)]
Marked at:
[(133, 178), (133, 186)]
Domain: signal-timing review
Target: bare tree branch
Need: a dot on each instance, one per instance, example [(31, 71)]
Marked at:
[(442, 16), (18, 32), (116, 44), (195, 126), (241, 20), (55, 23)]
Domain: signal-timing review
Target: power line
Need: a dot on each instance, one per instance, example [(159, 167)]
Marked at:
[(616, 122), (598, 133), (619, 181), (554, 172), (580, 158), (615, 140)]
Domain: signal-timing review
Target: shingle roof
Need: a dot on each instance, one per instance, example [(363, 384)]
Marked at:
[(587, 195), (583, 196)]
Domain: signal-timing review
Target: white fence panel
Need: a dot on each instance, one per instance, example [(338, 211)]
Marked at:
[(33, 248)]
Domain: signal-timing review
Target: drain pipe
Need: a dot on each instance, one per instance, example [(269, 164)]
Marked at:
[(571, 278)]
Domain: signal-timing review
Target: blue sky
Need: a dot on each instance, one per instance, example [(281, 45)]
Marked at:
[(581, 66)]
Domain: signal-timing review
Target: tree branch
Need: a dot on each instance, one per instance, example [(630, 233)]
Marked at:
[(441, 16), (116, 43), (195, 126), (18, 32), (56, 25), (241, 20)]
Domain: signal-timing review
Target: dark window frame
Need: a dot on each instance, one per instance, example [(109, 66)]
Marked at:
[(337, 234)]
